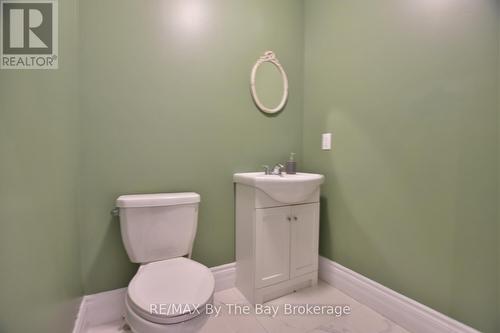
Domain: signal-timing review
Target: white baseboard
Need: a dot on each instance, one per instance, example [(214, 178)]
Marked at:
[(109, 306), (101, 308), (225, 276), (407, 313)]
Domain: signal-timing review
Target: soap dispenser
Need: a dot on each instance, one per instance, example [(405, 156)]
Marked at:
[(291, 165)]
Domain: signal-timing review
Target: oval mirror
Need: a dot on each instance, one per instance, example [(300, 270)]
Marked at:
[(269, 84)]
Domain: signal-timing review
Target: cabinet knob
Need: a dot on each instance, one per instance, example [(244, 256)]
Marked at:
[(289, 218), (295, 218)]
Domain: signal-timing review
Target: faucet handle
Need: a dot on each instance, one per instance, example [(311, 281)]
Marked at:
[(266, 169), (278, 169)]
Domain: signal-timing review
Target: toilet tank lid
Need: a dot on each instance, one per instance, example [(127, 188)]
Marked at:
[(157, 199)]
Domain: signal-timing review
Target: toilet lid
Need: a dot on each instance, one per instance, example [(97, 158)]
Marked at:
[(171, 291)]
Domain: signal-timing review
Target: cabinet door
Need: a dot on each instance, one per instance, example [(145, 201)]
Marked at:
[(304, 239), (272, 246)]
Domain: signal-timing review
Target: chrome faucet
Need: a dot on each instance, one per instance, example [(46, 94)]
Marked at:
[(278, 169)]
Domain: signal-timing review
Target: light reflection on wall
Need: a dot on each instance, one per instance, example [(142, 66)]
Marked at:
[(188, 16), (439, 7), (434, 4), (445, 15)]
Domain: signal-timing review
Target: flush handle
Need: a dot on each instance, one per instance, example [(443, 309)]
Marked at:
[(115, 211)]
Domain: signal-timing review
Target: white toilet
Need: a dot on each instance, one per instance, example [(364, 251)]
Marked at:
[(169, 293)]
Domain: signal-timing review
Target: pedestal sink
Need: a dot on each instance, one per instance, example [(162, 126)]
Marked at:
[(286, 188)]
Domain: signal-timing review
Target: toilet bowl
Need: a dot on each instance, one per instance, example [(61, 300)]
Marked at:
[(169, 292), (169, 296)]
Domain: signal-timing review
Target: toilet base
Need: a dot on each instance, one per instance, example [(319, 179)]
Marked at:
[(140, 325)]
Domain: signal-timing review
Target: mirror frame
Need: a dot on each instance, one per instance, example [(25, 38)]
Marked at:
[(270, 57)]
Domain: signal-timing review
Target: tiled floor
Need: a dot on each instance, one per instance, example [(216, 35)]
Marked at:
[(360, 320)]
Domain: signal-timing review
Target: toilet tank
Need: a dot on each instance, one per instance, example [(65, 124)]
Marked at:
[(158, 226)]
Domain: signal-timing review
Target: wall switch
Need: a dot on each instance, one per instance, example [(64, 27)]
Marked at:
[(326, 141)]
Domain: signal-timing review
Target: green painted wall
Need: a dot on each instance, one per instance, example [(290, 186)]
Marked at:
[(498, 175), (409, 90), (39, 256), (165, 107)]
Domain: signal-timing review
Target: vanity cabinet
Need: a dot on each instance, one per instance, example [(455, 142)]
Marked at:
[(276, 244)]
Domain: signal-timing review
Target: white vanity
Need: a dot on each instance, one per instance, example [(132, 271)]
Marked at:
[(277, 231)]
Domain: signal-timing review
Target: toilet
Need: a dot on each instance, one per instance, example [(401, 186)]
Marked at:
[(169, 292)]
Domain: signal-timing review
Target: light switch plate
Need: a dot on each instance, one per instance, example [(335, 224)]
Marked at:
[(326, 141)]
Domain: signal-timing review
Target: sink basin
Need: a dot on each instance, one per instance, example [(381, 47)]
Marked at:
[(286, 188)]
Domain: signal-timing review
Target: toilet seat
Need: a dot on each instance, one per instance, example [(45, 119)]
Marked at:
[(159, 285)]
